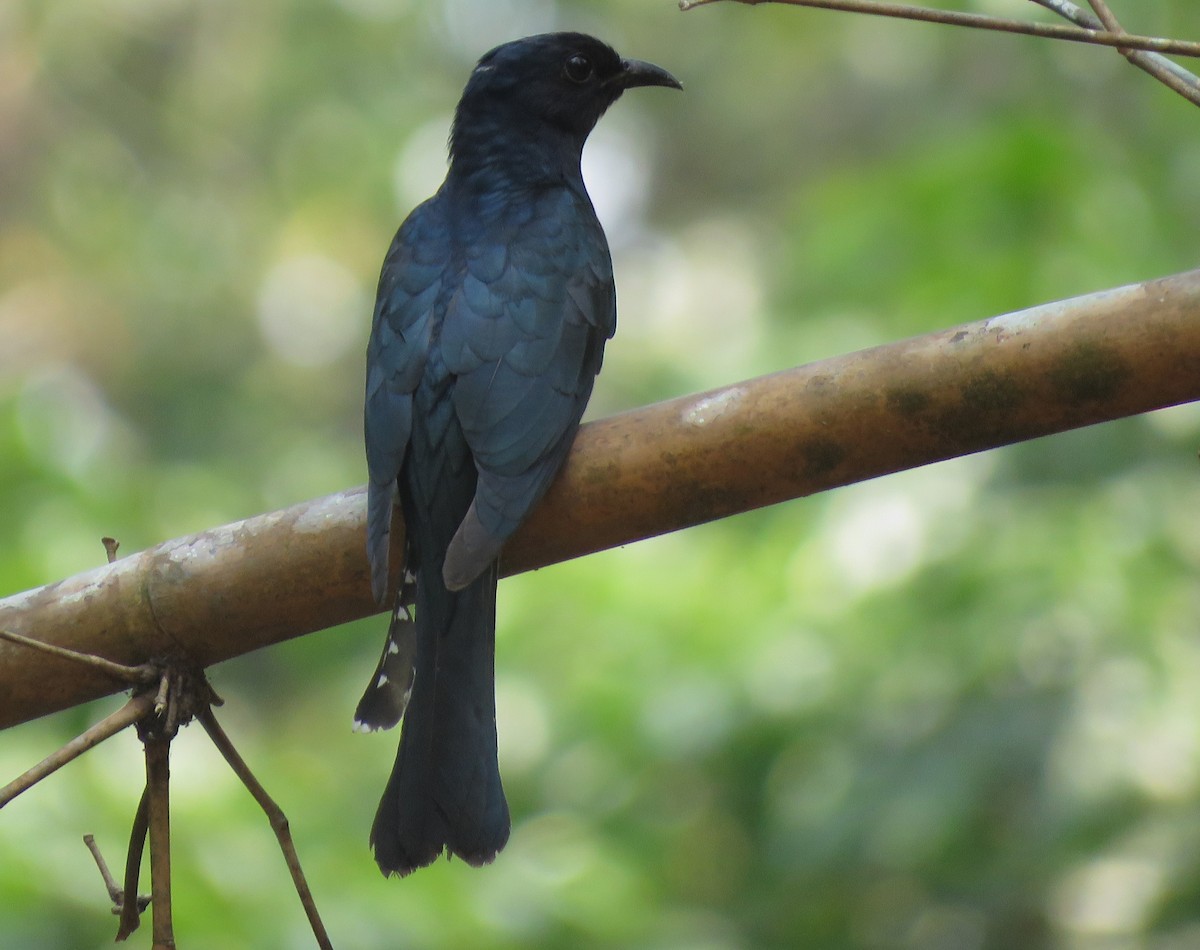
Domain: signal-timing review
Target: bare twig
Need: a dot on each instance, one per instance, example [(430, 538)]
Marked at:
[(1065, 8), (160, 698), (158, 790), (158, 710), (1170, 74), (135, 675), (131, 911), (110, 548), (115, 893), (1106, 16), (276, 817), (1101, 29), (182, 691), (982, 21), (131, 712)]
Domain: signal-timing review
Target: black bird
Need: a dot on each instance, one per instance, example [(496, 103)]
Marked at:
[(494, 305)]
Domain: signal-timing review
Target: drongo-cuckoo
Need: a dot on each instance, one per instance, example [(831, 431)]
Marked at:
[(494, 305)]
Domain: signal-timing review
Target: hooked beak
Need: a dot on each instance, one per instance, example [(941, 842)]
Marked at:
[(635, 73)]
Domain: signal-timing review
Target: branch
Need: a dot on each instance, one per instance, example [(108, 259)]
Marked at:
[(276, 818), (127, 715), (239, 587), (131, 675), (157, 748), (1101, 28), (132, 908), (982, 21), (1168, 73)]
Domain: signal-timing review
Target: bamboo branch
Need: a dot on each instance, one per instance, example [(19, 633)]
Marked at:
[(239, 587)]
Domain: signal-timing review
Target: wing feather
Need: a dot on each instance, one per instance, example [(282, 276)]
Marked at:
[(409, 287), (525, 341)]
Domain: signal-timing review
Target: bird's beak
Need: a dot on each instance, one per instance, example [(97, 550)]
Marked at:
[(634, 73)]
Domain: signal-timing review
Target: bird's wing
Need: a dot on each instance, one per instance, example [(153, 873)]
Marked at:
[(412, 278), (525, 335)]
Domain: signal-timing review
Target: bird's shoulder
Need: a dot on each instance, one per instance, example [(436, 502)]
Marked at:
[(415, 276), (416, 260)]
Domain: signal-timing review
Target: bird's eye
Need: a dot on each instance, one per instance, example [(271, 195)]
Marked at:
[(578, 69)]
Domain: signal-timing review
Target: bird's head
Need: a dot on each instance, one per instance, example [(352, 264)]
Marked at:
[(557, 81)]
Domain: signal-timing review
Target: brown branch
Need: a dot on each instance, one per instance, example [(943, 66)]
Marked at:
[(1104, 29), (158, 791), (981, 21), (236, 588), (1106, 16), (134, 675), (127, 715), (276, 818), (131, 910), (1170, 74), (115, 893), (181, 694)]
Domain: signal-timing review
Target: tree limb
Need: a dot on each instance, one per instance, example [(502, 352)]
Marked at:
[(232, 589)]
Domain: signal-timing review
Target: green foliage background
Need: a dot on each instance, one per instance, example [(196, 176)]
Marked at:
[(956, 708)]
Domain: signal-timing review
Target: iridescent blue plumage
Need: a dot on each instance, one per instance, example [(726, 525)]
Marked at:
[(494, 305)]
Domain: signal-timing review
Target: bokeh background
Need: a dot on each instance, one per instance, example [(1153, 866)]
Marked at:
[(955, 708)]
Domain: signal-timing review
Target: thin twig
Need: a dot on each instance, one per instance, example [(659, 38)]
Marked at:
[(161, 697), (1065, 8), (131, 712), (1169, 73), (131, 911), (158, 788), (1054, 31), (135, 675), (1155, 65), (1106, 16), (114, 890), (278, 820), (110, 548)]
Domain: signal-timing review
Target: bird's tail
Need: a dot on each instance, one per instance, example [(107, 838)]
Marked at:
[(386, 696), (445, 791)]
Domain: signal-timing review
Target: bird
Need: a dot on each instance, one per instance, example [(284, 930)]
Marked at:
[(494, 304)]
